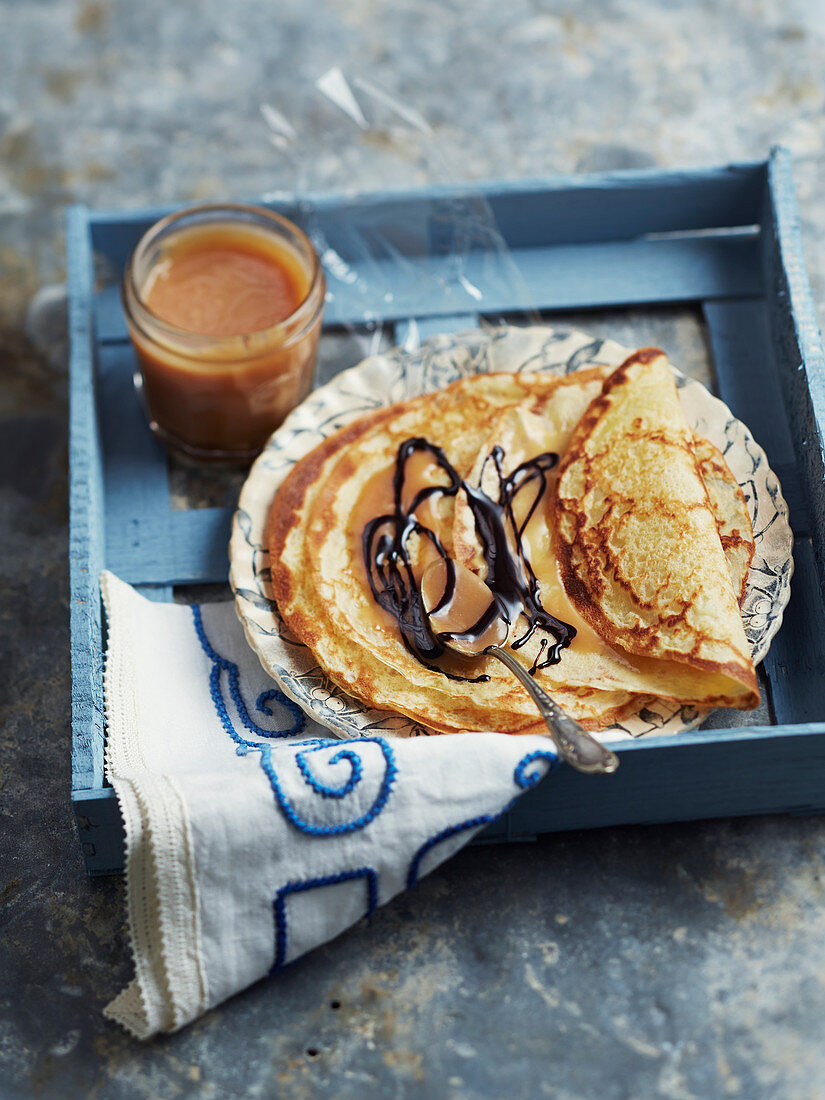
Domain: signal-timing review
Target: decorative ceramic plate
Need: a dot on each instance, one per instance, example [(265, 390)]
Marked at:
[(398, 375)]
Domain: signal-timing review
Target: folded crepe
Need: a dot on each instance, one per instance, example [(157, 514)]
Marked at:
[(638, 545), (321, 578)]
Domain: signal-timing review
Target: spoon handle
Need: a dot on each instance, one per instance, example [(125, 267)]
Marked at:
[(575, 744)]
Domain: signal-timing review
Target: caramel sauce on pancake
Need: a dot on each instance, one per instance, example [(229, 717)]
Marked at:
[(422, 474), (539, 545), (377, 499), (461, 606)]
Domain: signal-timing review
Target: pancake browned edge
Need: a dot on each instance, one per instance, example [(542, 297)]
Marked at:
[(286, 508), (668, 596)]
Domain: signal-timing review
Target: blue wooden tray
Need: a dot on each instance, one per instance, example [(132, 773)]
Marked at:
[(726, 239)]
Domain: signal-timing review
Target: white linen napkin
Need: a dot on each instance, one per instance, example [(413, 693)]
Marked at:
[(252, 835)]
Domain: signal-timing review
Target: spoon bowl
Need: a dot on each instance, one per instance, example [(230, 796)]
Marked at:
[(466, 618)]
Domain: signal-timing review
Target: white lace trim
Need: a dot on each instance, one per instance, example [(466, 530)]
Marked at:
[(169, 988)]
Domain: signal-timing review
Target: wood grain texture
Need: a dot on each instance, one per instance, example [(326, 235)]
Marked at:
[(172, 547), (570, 276), (86, 549), (796, 341), (555, 210)]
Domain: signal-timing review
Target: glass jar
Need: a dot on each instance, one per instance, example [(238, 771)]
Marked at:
[(224, 304)]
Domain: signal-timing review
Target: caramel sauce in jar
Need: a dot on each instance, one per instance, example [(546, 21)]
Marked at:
[(224, 306)]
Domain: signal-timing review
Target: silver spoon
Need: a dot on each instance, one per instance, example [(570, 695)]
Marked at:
[(452, 620)]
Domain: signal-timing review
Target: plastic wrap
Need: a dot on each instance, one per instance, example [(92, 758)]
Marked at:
[(382, 260)]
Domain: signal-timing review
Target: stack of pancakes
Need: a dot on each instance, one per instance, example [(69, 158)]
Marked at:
[(640, 540)]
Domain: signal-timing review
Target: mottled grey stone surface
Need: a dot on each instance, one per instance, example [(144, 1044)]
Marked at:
[(680, 962)]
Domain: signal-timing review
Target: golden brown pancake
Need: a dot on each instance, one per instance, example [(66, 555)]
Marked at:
[(638, 544), (730, 510), (320, 581), (318, 517)]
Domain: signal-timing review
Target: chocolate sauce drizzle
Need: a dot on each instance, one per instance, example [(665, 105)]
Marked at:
[(510, 578)]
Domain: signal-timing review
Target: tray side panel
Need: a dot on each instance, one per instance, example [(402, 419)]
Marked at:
[(570, 276), (716, 773), (729, 774), (86, 530), (796, 341), (557, 210)]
